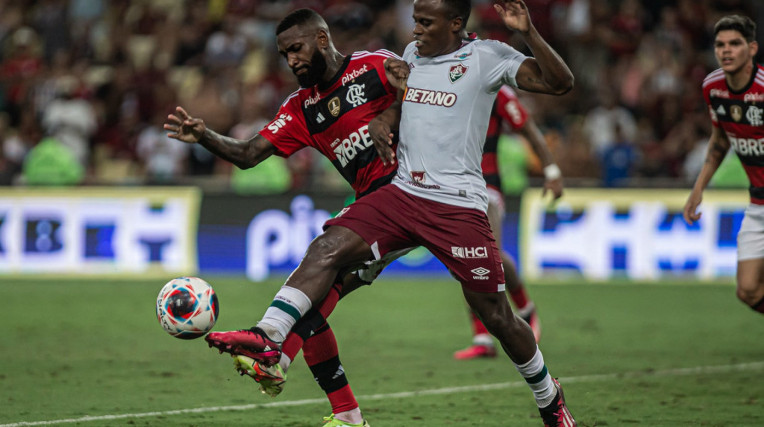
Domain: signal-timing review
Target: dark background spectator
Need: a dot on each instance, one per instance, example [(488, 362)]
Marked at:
[(125, 64)]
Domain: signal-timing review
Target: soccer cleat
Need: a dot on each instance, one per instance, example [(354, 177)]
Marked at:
[(557, 414), (270, 378), (330, 421), (532, 319), (252, 343), (475, 351)]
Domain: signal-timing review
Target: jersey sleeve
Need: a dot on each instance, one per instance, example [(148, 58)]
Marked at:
[(500, 62), (287, 131), (383, 54), (510, 109), (707, 99)]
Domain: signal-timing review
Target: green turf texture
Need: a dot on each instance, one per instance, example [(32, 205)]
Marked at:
[(77, 348)]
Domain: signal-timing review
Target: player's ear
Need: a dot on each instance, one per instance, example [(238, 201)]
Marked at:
[(754, 47), (322, 39), (457, 24)]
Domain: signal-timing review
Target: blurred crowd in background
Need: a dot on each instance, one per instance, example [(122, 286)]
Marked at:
[(85, 86)]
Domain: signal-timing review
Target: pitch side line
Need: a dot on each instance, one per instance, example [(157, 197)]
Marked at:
[(447, 390)]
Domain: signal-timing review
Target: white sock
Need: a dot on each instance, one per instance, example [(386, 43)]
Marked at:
[(287, 308), (482, 339), (535, 373), (284, 362)]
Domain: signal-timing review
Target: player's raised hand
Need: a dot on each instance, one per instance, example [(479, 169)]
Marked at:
[(382, 135), (515, 15), (183, 127), (397, 72)]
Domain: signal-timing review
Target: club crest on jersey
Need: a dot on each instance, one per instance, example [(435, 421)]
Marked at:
[(334, 106), (356, 95), (736, 112), (456, 72)]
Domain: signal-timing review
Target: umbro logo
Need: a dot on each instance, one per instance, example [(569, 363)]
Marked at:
[(480, 273)]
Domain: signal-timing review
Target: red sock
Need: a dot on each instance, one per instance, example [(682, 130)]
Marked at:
[(313, 319), (478, 327), (519, 297), (322, 357)]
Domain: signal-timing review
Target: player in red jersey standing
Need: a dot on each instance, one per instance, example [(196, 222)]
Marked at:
[(734, 94), (338, 97), (508, 109)]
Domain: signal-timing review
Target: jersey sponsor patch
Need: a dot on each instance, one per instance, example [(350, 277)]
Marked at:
[(431, 97), (469, 253)]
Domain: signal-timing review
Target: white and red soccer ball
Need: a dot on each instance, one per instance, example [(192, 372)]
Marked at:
[(187, 307)]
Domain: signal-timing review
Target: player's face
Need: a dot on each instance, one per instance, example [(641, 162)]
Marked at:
[(435, 32), (299, 47), (732, 51)]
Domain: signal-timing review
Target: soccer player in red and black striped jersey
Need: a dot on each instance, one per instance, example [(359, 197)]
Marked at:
[(338, 97), (508, 114), (734, 94)]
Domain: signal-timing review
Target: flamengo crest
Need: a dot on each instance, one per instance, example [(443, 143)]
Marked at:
[(456, 72)]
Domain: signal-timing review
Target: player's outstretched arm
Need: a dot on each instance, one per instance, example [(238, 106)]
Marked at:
[(381, 130), (546, 72), (718, 145), (552, 174), (243, 153)]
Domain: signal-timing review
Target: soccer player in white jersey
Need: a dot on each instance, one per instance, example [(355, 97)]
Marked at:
[(438, 196), (734, 94)]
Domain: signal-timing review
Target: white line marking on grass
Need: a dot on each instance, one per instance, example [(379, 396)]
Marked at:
[(700, 370)]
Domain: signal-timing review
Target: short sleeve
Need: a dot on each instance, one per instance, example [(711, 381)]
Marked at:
[(287, 131), (499, 63)]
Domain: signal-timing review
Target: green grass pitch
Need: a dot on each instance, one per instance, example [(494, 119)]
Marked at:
[(91, 353)]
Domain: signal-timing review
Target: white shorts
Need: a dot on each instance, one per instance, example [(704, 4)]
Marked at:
[(750, 238)]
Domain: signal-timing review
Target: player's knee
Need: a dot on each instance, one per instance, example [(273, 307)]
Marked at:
[(748, 295)]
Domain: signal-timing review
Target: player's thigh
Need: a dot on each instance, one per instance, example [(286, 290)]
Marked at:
[(340, 247)]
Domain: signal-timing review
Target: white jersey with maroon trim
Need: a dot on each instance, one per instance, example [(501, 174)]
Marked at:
[(444, 120), (740, 114), (334, 119)]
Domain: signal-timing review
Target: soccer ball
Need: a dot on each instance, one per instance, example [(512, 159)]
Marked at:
[(187, 307)]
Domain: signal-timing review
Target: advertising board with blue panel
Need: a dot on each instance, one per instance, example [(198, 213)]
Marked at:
[(267, 236), (593, 234), (98, 230), (600, 234)]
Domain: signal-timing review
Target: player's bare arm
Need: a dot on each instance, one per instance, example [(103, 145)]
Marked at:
[(718, 145), (243, 153), (552, 175), (546, 72), (381, 131)]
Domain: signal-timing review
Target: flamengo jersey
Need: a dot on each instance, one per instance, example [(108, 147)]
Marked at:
[(444, 120), (507, 108), (334, 120), (741, 116)]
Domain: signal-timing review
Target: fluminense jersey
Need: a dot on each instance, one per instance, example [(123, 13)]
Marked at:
[(334, 119), (507, 108), (444, 120), (741, 116)]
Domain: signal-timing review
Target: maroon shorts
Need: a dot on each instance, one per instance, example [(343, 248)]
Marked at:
[(390, 219)]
